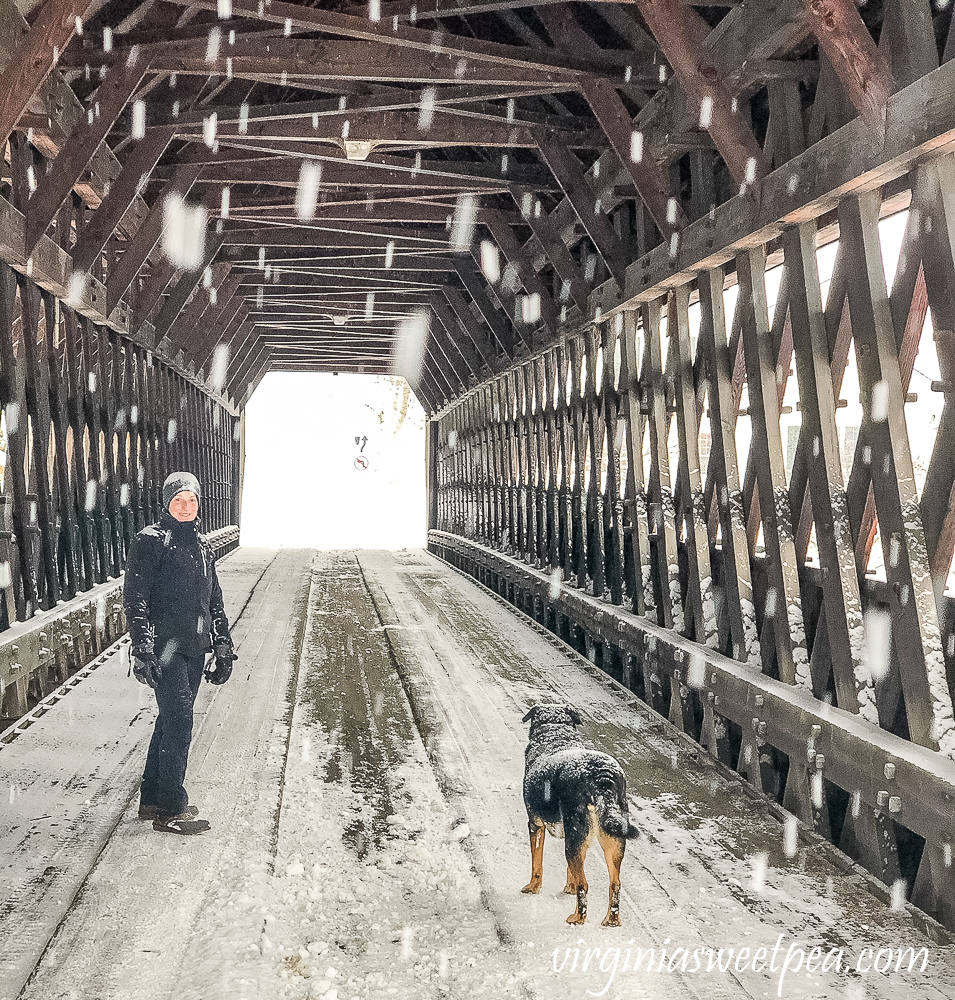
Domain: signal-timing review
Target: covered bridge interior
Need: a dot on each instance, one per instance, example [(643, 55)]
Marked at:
[(673, 282)]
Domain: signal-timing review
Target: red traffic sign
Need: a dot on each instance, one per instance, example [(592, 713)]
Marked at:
[(361, 462)]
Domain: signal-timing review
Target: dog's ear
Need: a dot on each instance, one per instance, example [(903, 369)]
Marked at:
[(575, 716), (531, 713)]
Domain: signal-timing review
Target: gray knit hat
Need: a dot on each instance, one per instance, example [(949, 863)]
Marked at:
[(175, 483)]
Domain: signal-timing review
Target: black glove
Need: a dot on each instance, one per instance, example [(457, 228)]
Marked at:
[(147, 669), (223, 664)]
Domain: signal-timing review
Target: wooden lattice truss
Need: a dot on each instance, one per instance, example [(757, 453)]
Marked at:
[(586, 461)]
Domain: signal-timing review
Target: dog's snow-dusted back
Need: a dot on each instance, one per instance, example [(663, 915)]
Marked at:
[(577, 794)]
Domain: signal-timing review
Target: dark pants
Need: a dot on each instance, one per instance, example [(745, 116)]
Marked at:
[(168, 754)]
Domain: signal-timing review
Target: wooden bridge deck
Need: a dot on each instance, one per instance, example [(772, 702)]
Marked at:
[(362, 772)]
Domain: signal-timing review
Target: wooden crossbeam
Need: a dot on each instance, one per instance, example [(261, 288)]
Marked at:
[(401, 37), (861, 67), (569, 174), (121, 195), (450, 100), (146, 238), (303, 61), (52, 190), (396, 127), (34, 57), (681, 33)]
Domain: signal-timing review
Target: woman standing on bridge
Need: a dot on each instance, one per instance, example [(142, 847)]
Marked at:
[(176, 617)]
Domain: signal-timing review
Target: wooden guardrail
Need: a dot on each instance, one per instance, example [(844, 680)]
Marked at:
[(701, 690), (39, 655)]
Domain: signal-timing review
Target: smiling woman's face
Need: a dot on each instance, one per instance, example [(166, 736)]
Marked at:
[(184, 506)]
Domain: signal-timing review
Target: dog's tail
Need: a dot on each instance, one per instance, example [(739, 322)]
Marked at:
[(611, 804)]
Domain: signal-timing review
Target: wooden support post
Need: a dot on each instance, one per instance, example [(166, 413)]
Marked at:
[(700, 593), (738, 608), (782, 612), (915, 622), (663, 512)]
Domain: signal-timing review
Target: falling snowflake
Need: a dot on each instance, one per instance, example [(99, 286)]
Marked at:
[(462, 226), (139, 119), (220, 364), (184, 233), (306, 194), (490, 262), (412, 340), (426, 108)]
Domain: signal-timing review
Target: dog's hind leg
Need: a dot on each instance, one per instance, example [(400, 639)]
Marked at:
[(537, 831), (577, 837), (613, 848)]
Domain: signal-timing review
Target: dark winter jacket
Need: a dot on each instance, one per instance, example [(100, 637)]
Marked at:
[(172, 596)]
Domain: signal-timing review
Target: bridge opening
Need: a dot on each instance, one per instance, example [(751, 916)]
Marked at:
[(334, 461)]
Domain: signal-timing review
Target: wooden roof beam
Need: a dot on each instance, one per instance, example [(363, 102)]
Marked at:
[(322, 59), (681, 33), (861, 67), (185, 286), (569, 174), (498, 324), (558, 253), (431, 45), (139, 164), (225, 283), (52, 189), (650, 180), (478, 358), (34, 56), (509, 245)]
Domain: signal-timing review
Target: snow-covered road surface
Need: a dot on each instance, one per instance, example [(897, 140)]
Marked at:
[(362, 772)]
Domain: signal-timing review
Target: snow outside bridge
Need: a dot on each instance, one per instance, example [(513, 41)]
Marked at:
[(362, 772)]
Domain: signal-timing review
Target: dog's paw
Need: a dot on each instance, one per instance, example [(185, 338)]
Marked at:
[(569, 890), (577, 918), (611, 920), (532, 887)]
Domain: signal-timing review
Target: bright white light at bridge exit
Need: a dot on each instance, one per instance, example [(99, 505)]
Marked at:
[(334, 461)]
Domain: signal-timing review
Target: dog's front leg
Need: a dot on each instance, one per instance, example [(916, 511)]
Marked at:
[(537, 831)]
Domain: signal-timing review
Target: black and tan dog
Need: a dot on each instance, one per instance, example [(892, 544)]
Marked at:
[(577, 794)]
